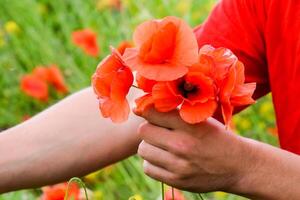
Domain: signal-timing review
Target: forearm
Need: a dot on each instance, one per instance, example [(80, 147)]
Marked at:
[(269, 173), (69, 139)]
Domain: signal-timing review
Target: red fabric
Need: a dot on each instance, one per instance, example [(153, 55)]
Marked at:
[(265, 35)]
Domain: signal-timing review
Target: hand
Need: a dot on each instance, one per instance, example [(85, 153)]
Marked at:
[(198, 158)]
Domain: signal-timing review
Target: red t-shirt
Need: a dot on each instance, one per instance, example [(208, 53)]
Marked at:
[(265, 35)]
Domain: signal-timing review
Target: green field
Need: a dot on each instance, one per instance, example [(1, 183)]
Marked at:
[(38, 32)]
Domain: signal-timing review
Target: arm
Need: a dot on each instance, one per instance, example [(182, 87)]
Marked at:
[(206, 157), (68, 139)]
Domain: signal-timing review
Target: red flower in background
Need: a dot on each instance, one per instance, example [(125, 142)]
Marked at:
[(177, 195), (195, 93), (87, 40), (163, 49), (110, 4), (229, 76), (111, 82), (123, 46), (34, 87), (56, 78), (58, 191), (41, 72), (36, 83)]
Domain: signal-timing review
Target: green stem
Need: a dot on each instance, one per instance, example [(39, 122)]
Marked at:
[(199, 195), (79, 181), (162, 191), (173, 196)]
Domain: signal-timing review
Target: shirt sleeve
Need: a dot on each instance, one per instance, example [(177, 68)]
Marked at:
[(239, 26)]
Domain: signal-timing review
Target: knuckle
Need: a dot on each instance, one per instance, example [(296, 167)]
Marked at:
[(185, 170), (182, 147), (143, 128), (141, 149), (146, 168)]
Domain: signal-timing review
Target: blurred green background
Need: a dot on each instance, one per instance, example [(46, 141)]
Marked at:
[(38, 32)]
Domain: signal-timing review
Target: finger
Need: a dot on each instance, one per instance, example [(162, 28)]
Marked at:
[(158, 157), (157, 136), (158, 173), (170, 120)]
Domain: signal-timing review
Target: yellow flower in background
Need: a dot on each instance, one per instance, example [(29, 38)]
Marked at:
[(136, 197), (97, 195), (12, 27), (110, 4), (266, 108), (42, 9), (243, 122), (183, 6), (220, 195)]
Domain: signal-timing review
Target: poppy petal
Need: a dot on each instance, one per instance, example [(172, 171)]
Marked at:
[(228, 84), (144, 32), (41, 72), (123, 46), (196, 113), (186, 51), (164, 99), (162, 72), (56, 79), (240, 72), (145, 84), (117, 111), (144, 102), (121, 83), (102, 85), (242, 94), (34, 87), (227, 110)]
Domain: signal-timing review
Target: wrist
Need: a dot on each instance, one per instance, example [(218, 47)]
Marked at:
[(259, 170), (255, 170)]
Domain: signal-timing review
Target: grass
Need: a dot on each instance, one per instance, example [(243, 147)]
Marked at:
[(40, 35)]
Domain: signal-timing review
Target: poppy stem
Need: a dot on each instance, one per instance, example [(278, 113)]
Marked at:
[(173, 196), (162, 191), (79, 181), (199, 195)]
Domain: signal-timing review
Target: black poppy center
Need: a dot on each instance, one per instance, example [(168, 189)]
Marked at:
[(186, 88)]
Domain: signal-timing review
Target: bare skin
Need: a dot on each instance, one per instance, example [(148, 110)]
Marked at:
[(71, 139), (68, 139), (206, 157)]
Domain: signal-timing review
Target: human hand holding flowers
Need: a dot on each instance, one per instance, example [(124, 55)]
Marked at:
[(198, 158)]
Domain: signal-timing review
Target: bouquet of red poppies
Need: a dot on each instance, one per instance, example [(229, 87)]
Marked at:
[(174, 73)]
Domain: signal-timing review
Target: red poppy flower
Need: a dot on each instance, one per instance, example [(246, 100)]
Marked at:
[(123, 46), (41, 72), (58, 191), (163, 49), (177, 195), (87, 40), (51, 75), (222, 57), (56, 78), (194, 93), (110, 4), (229, 77), (34, 87), (234, 92), (111, 82)]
